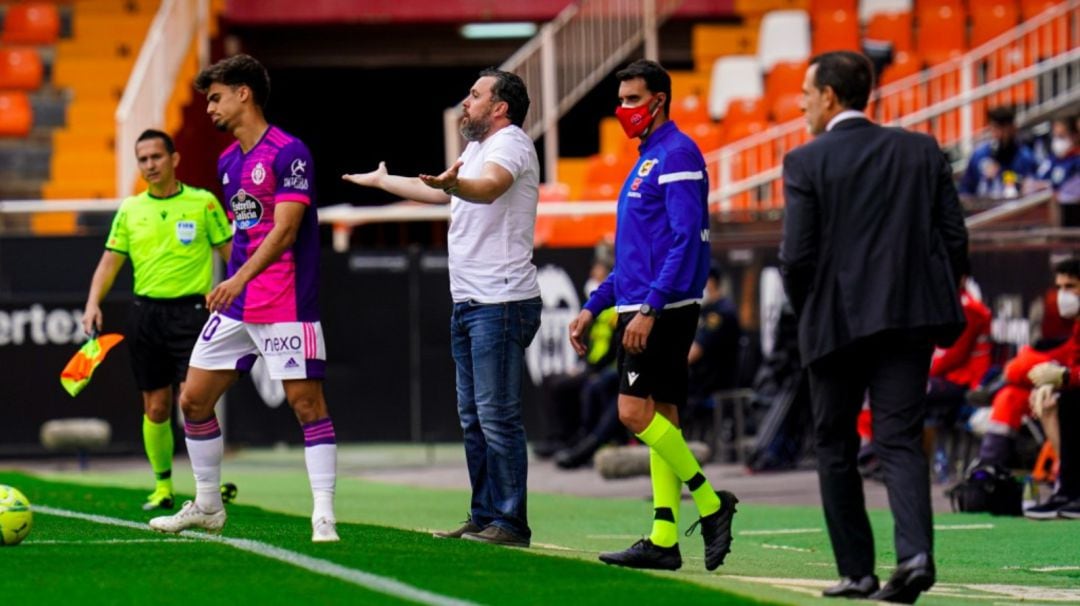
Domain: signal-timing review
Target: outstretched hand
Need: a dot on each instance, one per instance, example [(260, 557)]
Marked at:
[(371, 179), (447, 180)]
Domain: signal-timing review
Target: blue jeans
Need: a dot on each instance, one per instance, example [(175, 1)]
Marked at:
[(488, 343)]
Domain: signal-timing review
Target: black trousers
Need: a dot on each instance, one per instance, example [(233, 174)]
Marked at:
[(893, 367), (1069, 418)]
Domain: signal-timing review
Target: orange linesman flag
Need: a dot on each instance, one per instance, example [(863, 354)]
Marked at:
[(78, 371)]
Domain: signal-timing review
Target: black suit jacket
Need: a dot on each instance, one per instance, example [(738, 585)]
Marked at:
[(874, 237)]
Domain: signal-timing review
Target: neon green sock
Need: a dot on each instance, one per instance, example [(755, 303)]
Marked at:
[(666, 490), (158, 440), (668, 442)]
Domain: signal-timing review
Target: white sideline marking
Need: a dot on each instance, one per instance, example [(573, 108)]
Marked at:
[(613, 536), (963, 527), (751, 533), (366, 580), (786, 548), (112, 541), (1053, 568)]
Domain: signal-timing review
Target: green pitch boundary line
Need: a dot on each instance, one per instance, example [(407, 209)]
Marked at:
[(363, 579)]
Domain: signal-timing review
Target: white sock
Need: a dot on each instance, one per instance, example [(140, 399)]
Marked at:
[(206, 453), (321, 463)]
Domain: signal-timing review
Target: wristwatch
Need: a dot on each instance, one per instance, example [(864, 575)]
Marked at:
[(649, 311)]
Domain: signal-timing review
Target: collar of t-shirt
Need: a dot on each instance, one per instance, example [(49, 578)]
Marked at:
[(847, 114)]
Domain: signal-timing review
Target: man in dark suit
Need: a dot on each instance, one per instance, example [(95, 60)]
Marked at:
[(873, 241)]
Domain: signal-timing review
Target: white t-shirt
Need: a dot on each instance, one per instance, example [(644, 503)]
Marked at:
[(491, 245)]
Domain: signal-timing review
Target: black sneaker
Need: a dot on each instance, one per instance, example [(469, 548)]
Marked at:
[(644, 554), (1048, 510), (1071, 510), (716, 530)]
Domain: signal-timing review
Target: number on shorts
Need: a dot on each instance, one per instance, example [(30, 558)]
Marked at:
[(211, 328)]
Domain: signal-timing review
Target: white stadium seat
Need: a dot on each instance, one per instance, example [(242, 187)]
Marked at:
[(733, 77), (783, 36)]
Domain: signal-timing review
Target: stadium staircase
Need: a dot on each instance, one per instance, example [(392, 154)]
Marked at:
[(64, 70)]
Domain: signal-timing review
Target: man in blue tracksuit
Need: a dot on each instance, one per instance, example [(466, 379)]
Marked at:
[(661, 263)]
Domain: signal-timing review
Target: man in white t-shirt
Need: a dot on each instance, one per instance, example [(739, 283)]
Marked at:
[(493, 191)]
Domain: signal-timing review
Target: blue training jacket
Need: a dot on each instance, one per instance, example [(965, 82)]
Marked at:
[(662, 228)]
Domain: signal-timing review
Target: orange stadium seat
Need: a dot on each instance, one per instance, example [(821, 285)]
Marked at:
[(942, 31), (904, 64), (745, 109), (20, 69), (605, 174), (31, 23), (894, 27), (835, 30), (1030, 8), (786, 77), (990, 19), (707, 135), (738, 130), (787, 107), (16, 115), (833, 5), (689, 110)]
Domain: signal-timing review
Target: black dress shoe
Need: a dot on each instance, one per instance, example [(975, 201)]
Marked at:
[(911, 577), (853, 588)]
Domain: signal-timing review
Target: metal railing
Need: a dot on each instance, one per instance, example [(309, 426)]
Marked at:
[(1034, 68), (567, 58), (177, 25)]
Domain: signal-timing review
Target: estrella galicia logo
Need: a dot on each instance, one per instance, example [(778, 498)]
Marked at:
[(246, 209)]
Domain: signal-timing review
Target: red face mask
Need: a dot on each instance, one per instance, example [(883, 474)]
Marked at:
[(636, 120)]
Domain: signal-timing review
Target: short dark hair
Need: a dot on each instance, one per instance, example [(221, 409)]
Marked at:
[(238, 70), (151, 133), (1001, 116), (1069, 122), (849, 74), (509, 87), (1069, 267), (656, 78)]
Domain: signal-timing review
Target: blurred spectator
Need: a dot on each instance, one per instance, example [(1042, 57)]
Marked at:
[(565, 394), (1012, 402), (1062, 164), (714, 354), (998, 167)]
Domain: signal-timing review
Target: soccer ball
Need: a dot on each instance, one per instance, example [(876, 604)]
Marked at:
[(15, 516)]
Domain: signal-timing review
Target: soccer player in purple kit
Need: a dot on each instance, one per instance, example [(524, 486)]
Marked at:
[(267, 306)]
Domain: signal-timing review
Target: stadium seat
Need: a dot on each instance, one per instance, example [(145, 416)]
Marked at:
[(613, 139), (31, 23), (733, 78), (1030, 8), (817, 6), (16, 115), (741, 110), (709, 42), (20, 69), (605, 175), (689, 110), (991, 19), (784, 79), (739, 130), (783, 36), (869, 8), (893, 27), (904, 64), (835, 30), (787, 107), (941, 33), (707, 135)]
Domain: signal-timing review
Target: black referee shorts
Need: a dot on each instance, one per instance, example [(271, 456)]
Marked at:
[(660, 372), (161, 334)]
